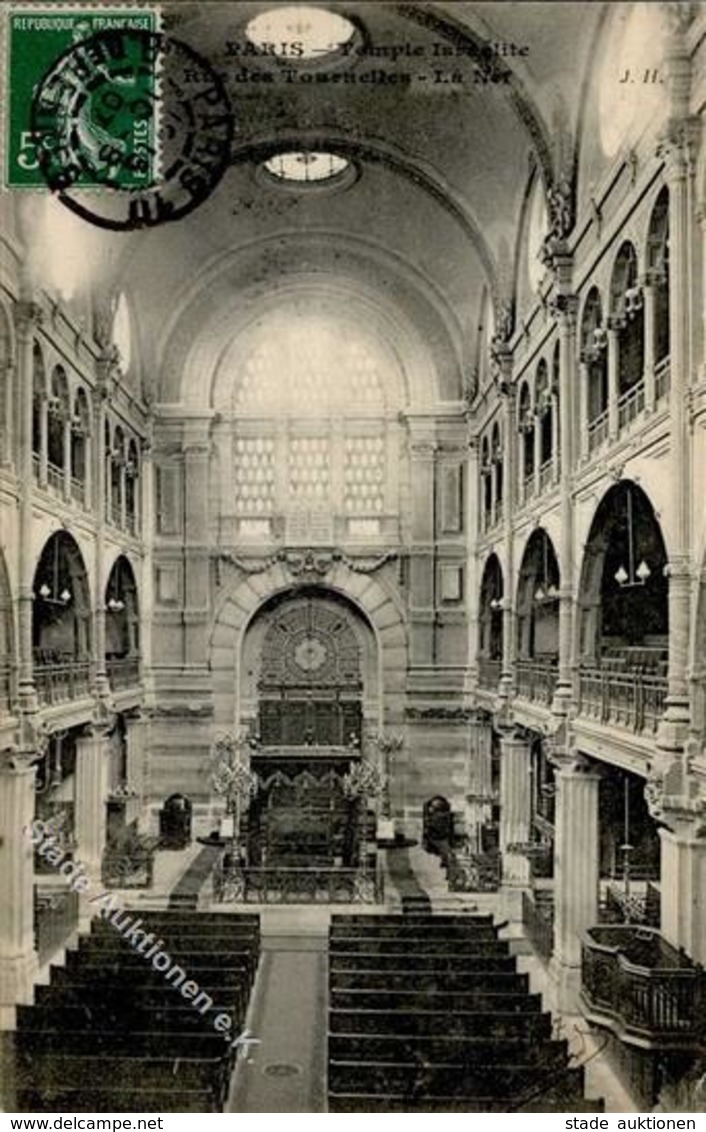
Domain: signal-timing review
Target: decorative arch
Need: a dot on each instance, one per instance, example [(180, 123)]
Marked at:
[(623, 591), (491, 611), (658, 274), (538, 599), (251, 592), (61, 613), (121, 601)]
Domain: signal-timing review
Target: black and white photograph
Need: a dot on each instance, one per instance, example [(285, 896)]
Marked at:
[(353, 561)]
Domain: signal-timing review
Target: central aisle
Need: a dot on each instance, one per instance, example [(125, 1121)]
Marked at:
[(286, 1072)]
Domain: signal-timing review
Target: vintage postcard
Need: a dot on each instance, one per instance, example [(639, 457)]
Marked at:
[(352, 578)]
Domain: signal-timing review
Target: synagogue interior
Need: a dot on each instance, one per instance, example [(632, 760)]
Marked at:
[(353, 583)]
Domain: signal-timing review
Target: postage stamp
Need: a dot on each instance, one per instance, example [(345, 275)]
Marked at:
[(37, 39), (123, 109)]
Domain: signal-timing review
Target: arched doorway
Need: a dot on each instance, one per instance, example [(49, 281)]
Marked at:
[(122, 625), (538, 619), (490, 643), (624, 613), (61, 621), (309, 673)]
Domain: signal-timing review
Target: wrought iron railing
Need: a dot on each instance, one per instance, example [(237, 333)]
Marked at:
[(311, 885), (489, 670), (55, 918), (663, 379), (123, 672), (597, 431), (630, 405), (651, 991), (538, 921), (535, 680), (61, 682), (633, 700)]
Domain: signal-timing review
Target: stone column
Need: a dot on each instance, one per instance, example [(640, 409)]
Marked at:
[(673, 733), (137, 770), (566, 306), (683, 905), (100, 459), (90, 795), (515, 818), (480, 784), (29, 318), (44, 440), (511, 496), (423, 535), (613, 382), (18, 958), (472, 564), (575, 872), (537, 438)]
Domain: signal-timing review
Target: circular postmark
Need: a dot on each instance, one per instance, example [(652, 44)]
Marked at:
[(132, 129)]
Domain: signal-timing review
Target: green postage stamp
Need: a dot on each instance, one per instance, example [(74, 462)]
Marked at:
[(80, 82)]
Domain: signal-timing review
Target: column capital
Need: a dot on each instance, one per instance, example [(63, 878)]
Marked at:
[(18, 760), (564, 306), (29, 315), (676, 797)]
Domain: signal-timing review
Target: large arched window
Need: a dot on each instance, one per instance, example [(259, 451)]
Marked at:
[(313, 398)]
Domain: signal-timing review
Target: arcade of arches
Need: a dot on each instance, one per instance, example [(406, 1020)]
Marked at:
[(353, 534)]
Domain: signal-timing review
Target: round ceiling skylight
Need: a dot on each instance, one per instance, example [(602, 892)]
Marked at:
[(299, 31), (305, 167)]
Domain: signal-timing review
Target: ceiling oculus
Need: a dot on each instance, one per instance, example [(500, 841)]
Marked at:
[(299, 31), (306, 167)]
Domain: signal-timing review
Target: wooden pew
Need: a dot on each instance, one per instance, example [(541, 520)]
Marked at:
[(440, 1078), (450, 980), (375, 1024), (442, 1001), (366, 945), (440, 1050), (394, 918), (84, 1099), (424, 932), (436, 964)]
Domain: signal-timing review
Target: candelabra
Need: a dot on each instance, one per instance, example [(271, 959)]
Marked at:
[(233, 780), (386, 745)]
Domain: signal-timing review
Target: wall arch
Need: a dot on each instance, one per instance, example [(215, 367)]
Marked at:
[(250, 593)]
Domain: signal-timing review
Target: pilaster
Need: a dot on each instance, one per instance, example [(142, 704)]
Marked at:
[(576, 872), (515, 819), (91, 792), (18, 959)]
